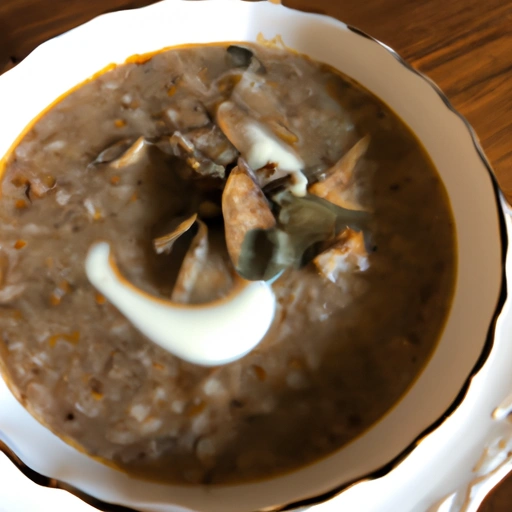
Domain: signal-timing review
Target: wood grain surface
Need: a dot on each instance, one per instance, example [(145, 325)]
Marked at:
[(463, 45)]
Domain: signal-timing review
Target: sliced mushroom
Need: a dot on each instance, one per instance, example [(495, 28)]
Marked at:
[(245, 209), (217, 276), (163, 244), (337, 186), (132, 155), (260, 147), (123, 153), (184, 148), (213, 144), (347, 254), (193, 264), (240, 56), (112, 152)]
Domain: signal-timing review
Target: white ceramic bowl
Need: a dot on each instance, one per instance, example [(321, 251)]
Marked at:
[(424, 454)]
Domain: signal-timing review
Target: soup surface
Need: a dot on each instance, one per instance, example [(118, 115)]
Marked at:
[(127, 156)]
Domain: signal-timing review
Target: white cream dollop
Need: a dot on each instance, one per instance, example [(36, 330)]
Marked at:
[(208, 334), (265, 148)]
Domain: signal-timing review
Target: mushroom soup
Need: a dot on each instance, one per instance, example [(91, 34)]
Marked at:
[(202, 166)]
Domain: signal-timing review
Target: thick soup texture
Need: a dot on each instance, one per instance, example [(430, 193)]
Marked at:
[(124, 156)]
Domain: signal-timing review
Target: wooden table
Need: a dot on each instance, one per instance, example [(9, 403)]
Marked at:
[(463, 45)]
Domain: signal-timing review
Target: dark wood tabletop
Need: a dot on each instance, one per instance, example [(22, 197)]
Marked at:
[(463, 45)]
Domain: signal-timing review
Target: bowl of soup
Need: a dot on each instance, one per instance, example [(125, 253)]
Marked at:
[(216, 149)]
